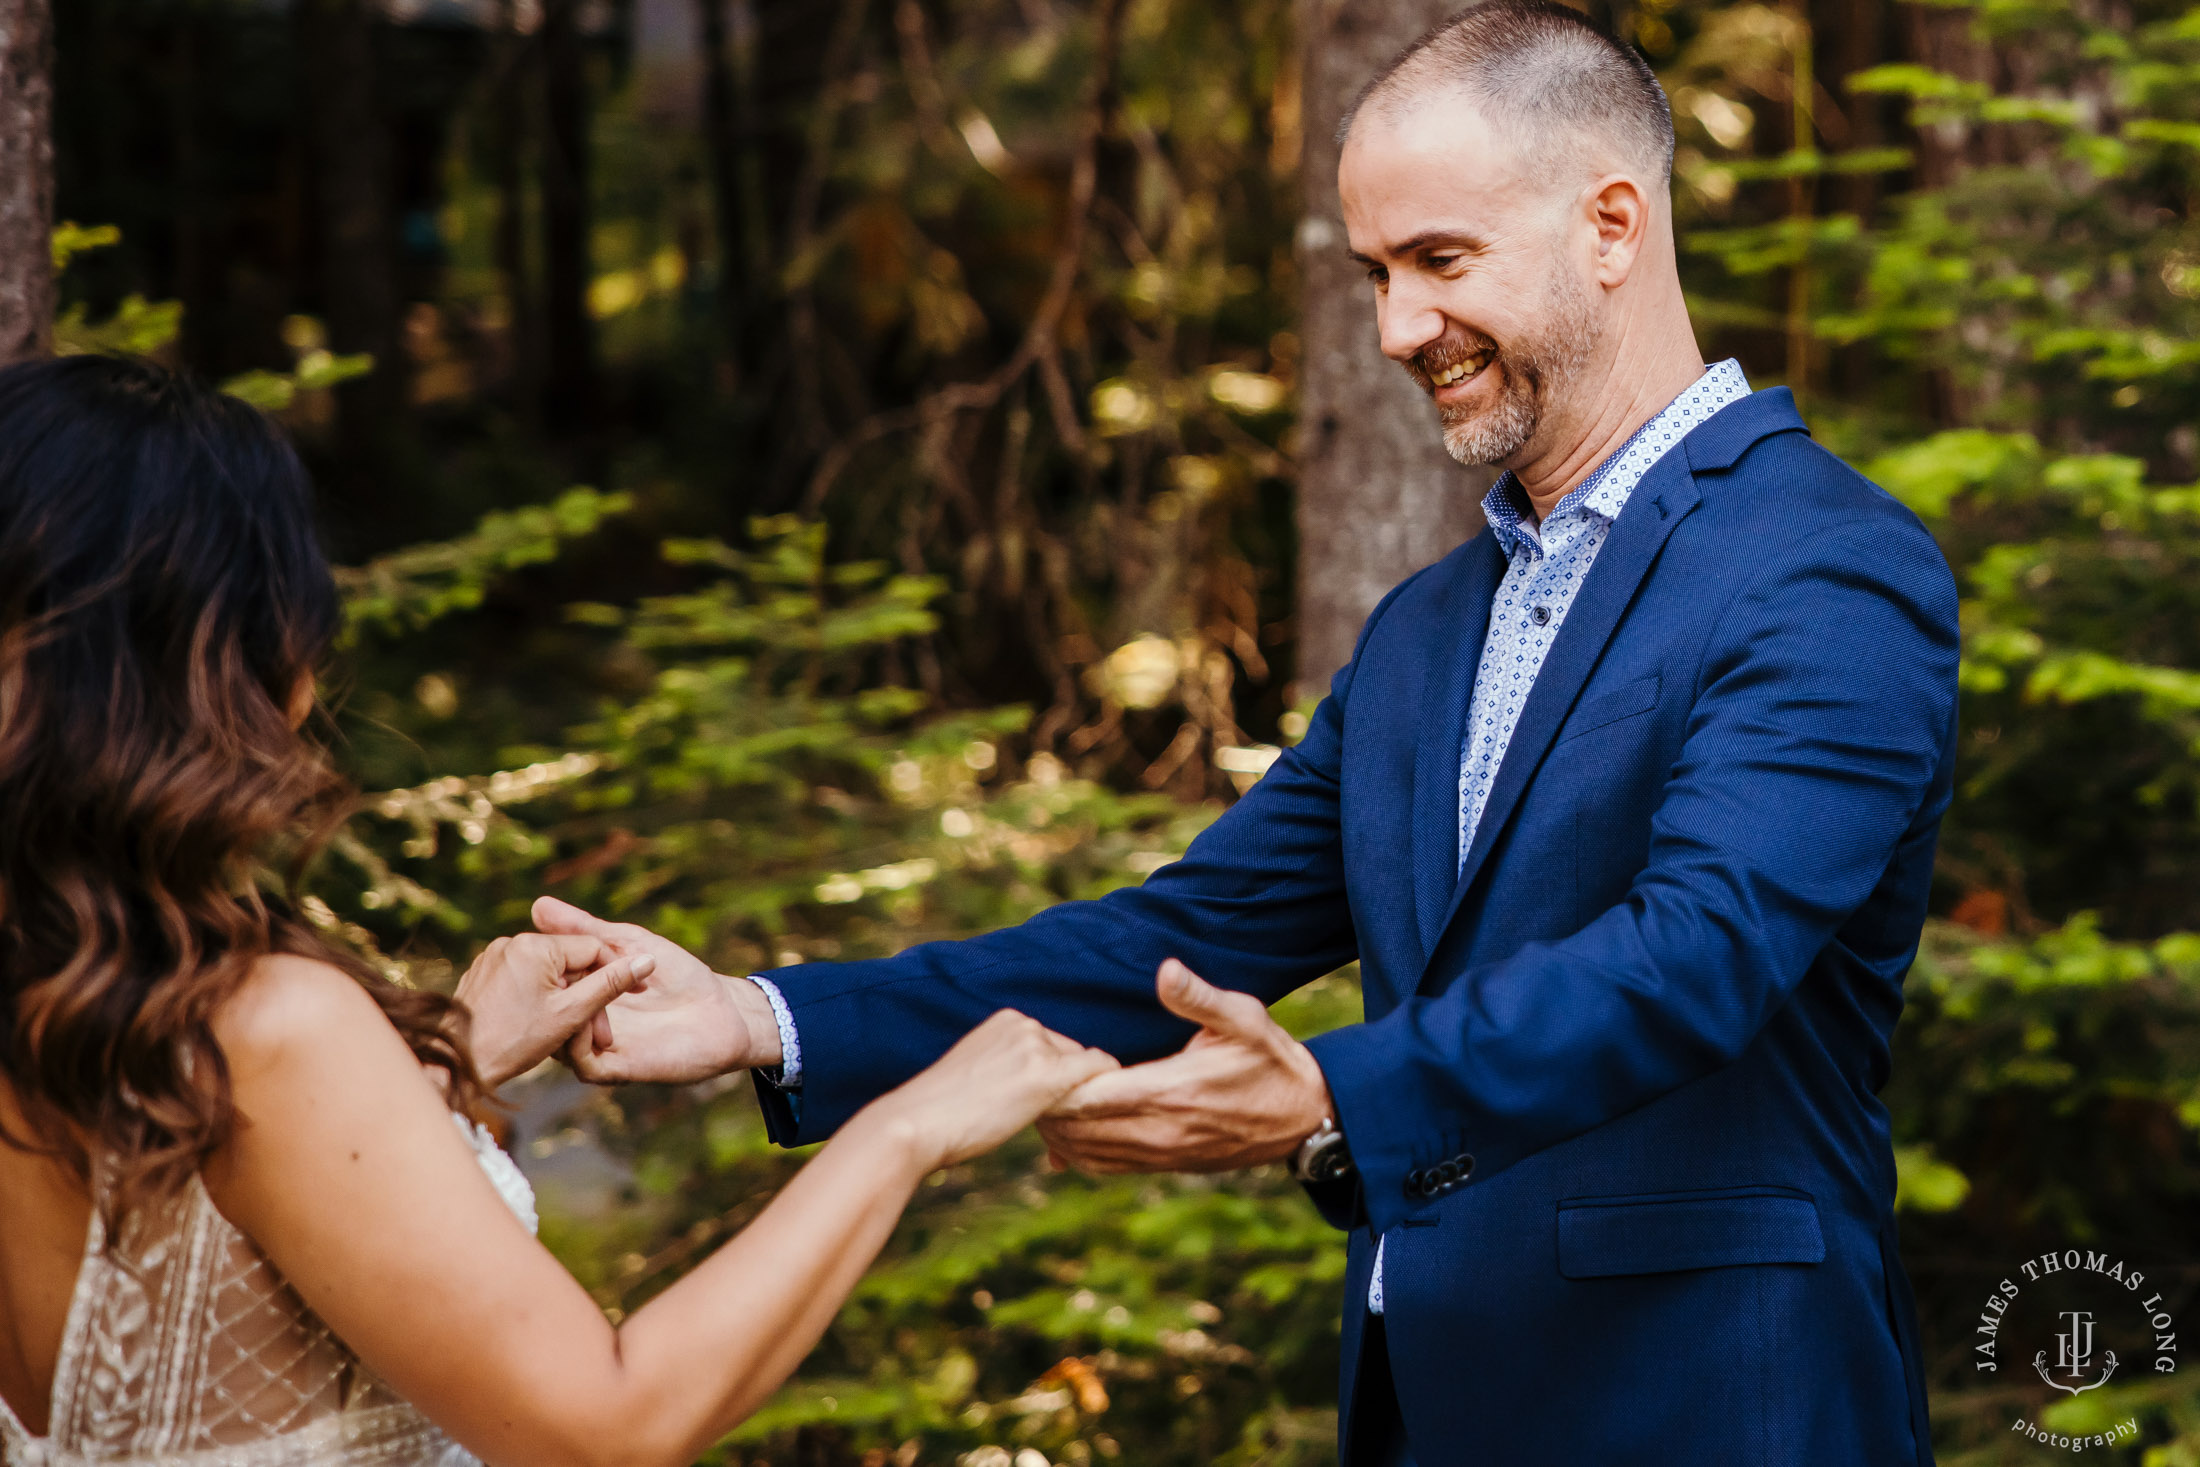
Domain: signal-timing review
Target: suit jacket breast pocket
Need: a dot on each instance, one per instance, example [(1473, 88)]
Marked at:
[(1613, 1237), (1625, 701)]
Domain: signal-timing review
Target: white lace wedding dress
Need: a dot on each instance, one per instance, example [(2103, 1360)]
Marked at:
[(184, 1347)]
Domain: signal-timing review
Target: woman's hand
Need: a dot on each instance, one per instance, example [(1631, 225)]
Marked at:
[(528, 995), (1004, 1075), (687, 1024)]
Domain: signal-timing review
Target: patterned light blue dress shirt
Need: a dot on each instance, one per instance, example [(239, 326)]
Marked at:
[(1545, 567)]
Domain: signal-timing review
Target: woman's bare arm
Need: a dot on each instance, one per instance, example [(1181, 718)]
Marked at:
[(347, 1172)]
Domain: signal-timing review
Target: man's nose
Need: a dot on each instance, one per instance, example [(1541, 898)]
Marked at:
[(1408, 319)]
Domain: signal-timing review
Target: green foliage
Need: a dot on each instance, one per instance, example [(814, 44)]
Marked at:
[(138, 327), (763, 795), (410, 588), (319, 370)]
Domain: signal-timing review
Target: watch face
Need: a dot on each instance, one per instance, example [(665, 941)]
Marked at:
[(1325, 1158), (1328, 1164)]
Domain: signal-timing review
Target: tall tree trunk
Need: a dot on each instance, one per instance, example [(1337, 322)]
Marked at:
[(1852, 37), (359, 291), (26, 179), (569, 389), (511, 102), (722, 143), (204, 331), (1378, 496)]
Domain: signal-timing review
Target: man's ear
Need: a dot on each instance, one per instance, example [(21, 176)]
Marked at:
[(1619, 212)]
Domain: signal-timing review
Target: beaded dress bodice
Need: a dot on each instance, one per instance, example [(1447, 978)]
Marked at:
[(185, 1347)]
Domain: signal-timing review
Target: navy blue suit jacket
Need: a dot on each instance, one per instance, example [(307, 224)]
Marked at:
[(1614, 1103)]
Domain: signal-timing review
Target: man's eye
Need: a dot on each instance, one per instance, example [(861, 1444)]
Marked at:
[(1378, 274), (1442, 262)]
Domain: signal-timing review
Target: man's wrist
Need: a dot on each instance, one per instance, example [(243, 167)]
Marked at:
[(758, 1018), (1321, 1154), (1321, 1105)]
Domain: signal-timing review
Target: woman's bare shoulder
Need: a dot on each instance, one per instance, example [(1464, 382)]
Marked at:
[(313, 1066), (289, 1005)]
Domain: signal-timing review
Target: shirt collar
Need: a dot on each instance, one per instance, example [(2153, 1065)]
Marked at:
[(1604, 492)]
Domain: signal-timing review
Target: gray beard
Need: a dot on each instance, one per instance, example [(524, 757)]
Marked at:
[(1534, 372)]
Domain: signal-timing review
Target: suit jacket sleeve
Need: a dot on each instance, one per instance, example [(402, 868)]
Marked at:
[(1823, 709), (1256, 904)]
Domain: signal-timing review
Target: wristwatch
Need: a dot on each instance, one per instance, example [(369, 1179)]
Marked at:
[(1323, 1156)]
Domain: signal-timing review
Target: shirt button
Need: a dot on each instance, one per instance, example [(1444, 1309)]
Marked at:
[(1541, 616)]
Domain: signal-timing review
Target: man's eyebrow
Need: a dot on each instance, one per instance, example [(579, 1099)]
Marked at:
[(1452, 238)]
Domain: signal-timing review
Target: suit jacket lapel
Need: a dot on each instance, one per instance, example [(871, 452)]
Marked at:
[(1666, 494), (1462, 621)]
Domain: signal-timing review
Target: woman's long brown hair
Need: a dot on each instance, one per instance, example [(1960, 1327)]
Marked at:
[(163, 600)]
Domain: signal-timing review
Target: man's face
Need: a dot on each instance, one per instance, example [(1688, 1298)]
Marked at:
[(1477, 290)]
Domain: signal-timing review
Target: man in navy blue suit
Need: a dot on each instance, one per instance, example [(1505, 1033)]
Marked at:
[(1626, 808)]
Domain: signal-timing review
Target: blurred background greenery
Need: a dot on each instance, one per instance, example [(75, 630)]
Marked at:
[(936, 365)]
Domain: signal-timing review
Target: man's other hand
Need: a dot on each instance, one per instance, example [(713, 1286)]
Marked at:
[(687, 1024), (1243, 1092)]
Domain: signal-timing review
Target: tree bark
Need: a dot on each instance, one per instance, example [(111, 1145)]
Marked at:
[(359, 292), (511, 102), (722, 145), (1378, 496), (26, 179), (570, 384)]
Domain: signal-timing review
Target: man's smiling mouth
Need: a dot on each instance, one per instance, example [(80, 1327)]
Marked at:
[(1461, 370)]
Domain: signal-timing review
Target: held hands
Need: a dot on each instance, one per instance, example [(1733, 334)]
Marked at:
[(527, 995), (1000, 1078), (687, 1024), (1243, 1092)]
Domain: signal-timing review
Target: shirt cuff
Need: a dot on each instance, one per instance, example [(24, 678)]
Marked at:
[(789, 1074)]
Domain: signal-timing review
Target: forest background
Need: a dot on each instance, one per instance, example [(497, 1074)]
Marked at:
[(986, 462)]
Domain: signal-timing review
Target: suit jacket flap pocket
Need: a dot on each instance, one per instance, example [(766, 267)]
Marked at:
[(1639, 696), (1610, 1237)]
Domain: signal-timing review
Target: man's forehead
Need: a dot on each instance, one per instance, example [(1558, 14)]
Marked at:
[(1406, 184), (1438, 169), (1440, 120)]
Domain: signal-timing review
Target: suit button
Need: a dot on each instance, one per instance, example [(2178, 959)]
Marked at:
[(1416, 1184), (1465, 1163)]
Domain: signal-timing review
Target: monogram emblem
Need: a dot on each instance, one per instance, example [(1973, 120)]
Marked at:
[(2074, 1355)]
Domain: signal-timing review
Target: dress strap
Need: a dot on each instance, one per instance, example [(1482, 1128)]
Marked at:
[(16, 1442)]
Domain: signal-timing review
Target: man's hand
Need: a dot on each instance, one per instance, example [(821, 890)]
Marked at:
[(1241, 1093), (687, 1024), (526, 996)]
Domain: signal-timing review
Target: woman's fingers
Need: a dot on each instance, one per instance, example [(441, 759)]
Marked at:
[(531, 994), (1001, 1076), (556, 956), (1058, 1064), (1076, 1065), (586, 997)]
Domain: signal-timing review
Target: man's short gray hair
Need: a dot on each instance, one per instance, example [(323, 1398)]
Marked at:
[(1539, 72)]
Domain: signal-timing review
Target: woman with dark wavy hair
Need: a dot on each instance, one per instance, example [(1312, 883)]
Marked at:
[(244, 1221)]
